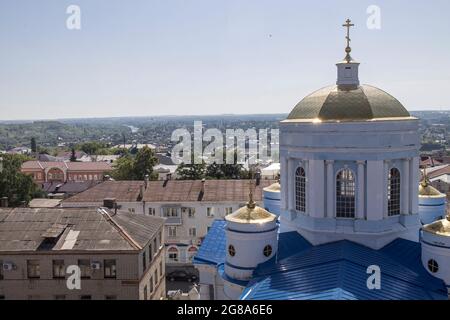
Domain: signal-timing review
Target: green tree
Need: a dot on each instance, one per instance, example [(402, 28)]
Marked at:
[(123, 169), (14, 185), (191, 171), (135, 168), (73, 156), (33, 145), (143, 163)]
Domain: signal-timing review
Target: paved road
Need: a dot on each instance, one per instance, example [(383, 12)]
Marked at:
[(178, 285)]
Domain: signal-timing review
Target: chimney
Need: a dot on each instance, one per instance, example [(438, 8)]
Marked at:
[(258, 177), (202, 191), (146, 178), (4, 202), (141, 192), (110, 203)]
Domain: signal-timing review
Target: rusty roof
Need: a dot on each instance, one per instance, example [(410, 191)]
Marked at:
[(71, 166), (172, 191), (26, 229), (125, 191), (213, 190)]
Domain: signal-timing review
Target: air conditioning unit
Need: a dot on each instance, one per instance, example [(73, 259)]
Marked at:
[(8, 266), (95, 265)]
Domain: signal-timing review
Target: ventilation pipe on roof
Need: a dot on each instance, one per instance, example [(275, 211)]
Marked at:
[(4, 202), (141, 192), (146, 178)]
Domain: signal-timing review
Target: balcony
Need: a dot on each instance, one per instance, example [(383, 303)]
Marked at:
[(174, 221)]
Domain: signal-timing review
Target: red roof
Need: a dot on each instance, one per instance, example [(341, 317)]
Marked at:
[(71, 166)]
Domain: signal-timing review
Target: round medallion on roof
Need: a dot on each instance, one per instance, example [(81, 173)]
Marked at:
[(348, 103)]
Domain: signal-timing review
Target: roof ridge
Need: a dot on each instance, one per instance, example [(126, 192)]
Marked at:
[(121, 231)]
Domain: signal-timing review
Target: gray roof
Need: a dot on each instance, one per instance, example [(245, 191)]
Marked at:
[(26, 229), (336, 103)]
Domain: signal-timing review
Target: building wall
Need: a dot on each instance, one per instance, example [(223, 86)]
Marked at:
[(131, 277)]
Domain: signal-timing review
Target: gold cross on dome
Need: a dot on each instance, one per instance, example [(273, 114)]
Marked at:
[(348, 25)]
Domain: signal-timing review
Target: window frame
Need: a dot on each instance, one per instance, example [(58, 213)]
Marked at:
[(345, 208), (300, 189)]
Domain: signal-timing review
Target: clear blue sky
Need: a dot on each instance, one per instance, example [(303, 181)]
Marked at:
[(159, 57)]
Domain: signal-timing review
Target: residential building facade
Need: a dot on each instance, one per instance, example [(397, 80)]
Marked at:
[(41, 251), (49, 172)]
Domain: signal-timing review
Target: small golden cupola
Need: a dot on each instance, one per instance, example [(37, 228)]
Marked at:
[(432, 203)]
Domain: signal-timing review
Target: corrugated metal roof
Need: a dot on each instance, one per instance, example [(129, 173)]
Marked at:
[(338, 271), (335, 270), (212, 250), (25, 229)]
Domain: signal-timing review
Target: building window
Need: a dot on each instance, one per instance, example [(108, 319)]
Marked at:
[(1, 270), (228, 210), (172, 232), (394, 192), (86, 297), (433, 266), (160, 238), (155, 246), (155, 276), (192, 232), (131, 210), (33, 269), (300, 190), (170, 212), (267, 250), (209, 212), (190, 211), (59, 297), (145, 292), (173, 254), (152, 211), (110, 297), (144, 261), (161, 269), (110, 269), (345, 194), (85, 268), (58, 269), (231, 250)]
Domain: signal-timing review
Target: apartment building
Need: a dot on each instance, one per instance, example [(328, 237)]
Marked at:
[(117, 255), (189, 206)]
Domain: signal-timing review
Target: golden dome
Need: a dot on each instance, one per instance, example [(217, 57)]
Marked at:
[(339, 103), (249, 214), (427, 190), (441, 227), (276, 187)]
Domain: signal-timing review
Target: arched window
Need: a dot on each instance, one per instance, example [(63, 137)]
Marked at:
[(394, 192), (345, 194), (300, 189)]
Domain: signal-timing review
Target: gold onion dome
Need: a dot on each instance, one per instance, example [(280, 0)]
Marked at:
[(276, 187), (251, 213), (335, 103), (427, 190), (441, 227)]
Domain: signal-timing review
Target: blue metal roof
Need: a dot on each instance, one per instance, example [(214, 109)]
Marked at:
[(212, 251), (338, 271), (333, 271)]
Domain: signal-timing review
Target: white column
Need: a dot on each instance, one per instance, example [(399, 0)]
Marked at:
[(284, 183), (360, 212), (375, 189), (387, 164), (404, 190), (291, 184), (414, 181), (330, 188), (316, 188)]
